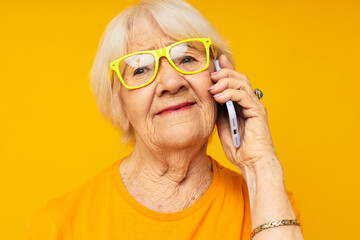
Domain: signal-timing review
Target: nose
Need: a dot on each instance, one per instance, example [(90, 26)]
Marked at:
[(169, 81)]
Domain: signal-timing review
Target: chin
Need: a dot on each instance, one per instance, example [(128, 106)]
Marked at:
[(182, 137)]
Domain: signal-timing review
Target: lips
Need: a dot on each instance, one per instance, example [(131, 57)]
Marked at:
[(176, 108)]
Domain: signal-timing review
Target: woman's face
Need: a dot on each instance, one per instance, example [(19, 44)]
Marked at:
[(175, 110)]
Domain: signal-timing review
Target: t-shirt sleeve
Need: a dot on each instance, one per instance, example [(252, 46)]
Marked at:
[(41, 225)]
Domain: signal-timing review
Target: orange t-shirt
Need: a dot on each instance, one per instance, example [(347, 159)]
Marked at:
[(103, 209)]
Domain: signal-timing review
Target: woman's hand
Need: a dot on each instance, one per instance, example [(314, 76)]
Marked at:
[(256, 146), (256, 157)]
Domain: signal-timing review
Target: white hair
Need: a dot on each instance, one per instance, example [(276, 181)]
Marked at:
[(176, 18)]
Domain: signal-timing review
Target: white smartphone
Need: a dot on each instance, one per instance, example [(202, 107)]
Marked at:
[(232, 116)]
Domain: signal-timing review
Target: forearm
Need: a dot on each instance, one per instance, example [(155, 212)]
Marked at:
[(269, 200)]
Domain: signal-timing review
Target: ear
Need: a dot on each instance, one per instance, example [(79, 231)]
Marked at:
[(224, 62)]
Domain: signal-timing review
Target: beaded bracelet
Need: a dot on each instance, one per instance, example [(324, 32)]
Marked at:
[(272, 224)]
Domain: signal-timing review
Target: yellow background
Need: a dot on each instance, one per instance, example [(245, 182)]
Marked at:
[(304, 55)]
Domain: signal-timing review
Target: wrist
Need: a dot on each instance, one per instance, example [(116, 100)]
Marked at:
[(263, 165), (263, 169), (266, 176), (269, 175), (269, 165)]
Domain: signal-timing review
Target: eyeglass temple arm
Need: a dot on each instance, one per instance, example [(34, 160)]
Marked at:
[(212, 50)]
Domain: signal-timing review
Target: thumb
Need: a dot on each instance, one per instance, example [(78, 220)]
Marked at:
[(224, 62)]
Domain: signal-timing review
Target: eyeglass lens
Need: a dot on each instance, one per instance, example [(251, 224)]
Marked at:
[(139, 69)]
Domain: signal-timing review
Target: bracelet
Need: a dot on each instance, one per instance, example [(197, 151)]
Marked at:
[(272, 224)]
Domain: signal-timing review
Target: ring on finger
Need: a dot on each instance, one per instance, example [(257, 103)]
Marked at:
[(259, 93)]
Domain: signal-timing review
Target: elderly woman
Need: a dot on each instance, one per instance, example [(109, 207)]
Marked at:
[(154, 78)]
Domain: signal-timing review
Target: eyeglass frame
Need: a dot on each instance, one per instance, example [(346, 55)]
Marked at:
[(158, 53)]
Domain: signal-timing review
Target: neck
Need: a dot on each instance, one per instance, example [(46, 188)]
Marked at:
[(166, 180)]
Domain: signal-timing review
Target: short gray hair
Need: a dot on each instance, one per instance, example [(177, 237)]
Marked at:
[(176, 18)]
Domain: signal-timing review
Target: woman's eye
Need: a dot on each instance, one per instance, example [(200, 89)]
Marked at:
[(188, 59), (139, 71)]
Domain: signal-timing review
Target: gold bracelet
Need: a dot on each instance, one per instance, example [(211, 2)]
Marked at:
[(272, 224)]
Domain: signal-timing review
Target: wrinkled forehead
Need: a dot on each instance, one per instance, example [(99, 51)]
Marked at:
[(147, 36)]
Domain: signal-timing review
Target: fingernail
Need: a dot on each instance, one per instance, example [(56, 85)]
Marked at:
[(217, 95), (212, 87), (213, 73)]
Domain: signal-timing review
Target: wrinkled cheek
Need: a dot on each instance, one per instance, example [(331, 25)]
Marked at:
[(143, 130), (210, 115)]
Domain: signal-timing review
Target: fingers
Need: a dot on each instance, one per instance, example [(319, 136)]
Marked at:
[(250, 106), (226, 72), (239, 96), (231, 83), (228, 78), (235, 86)]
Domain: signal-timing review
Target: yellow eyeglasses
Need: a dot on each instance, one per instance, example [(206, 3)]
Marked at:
[(139, 69)]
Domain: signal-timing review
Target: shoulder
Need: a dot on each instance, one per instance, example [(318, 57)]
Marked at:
[(229, 179), (95, 186), (226, 172), (58, 212)]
